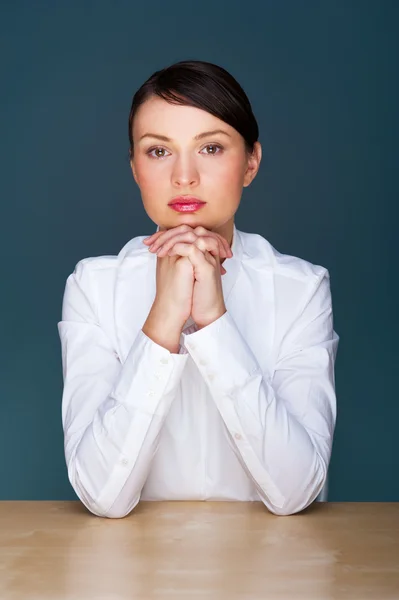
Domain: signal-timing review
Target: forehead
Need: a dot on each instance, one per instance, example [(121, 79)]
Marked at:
[(158, 116)]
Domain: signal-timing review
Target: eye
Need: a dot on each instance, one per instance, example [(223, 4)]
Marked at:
[(216, 146), (151, 150), (217, 150)]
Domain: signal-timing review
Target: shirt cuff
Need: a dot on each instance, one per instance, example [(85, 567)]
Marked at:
[(221, 354), (153, 374)]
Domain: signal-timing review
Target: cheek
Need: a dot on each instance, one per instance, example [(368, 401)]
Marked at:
[(145, 175), (230, 173)]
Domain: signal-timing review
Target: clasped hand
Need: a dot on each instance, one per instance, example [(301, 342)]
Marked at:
[(204, 249)]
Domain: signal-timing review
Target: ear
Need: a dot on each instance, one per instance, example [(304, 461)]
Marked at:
[(253, 164), (132, 166)]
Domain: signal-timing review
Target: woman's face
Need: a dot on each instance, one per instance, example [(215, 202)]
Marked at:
[(213, 168)]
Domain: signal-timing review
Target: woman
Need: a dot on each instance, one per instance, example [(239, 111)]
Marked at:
[(186, 379)]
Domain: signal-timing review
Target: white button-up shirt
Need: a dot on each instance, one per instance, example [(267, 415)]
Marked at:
[(245, 411)]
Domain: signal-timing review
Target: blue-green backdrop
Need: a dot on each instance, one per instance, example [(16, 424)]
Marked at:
[(323, 81)]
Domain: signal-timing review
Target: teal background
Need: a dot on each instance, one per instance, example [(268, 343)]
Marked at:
[(322, 78)]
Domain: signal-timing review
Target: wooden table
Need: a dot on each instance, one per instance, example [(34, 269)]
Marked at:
[(189, 550)]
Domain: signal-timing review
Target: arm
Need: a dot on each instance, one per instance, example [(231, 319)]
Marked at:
[(112, 413), (281, 428)]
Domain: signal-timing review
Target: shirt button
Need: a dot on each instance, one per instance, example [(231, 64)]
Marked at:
[(164, 361), (157, 376), (238, 436), (192, 345), (203, 362), (124, 461), (150, 393)]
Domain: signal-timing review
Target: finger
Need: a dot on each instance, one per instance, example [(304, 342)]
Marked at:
[(150, 239), (201, 231), (229, 251), (164, 248), (183, 249), (166, 237), (225, 245), (222, 245), (222, 249), (209, 244), (159, 239), (196, 256), (161, 236), (204, 243)]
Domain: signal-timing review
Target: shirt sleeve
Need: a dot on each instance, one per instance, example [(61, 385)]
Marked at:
[(280, 427), (112, 413)]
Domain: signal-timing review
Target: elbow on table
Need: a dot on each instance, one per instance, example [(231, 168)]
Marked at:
[(120, 513), (295, 501), (117, 510), (288, 508), (293, 505), (113, 512)]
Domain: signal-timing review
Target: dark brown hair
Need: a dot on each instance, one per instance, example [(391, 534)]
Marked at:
[(202, 85)]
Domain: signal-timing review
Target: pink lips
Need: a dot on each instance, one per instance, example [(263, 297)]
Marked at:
[(187, 206)]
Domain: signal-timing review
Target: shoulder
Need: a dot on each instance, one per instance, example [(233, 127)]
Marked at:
[(299, 289), (259, 252), (295, 283), (134, 252), (92, 282)]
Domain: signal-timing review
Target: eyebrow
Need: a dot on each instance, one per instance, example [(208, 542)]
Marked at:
[(197, 137)]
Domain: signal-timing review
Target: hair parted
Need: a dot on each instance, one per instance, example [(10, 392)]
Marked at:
[(203, 85)]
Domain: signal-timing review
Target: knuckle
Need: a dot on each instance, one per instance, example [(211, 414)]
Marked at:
[(213, 244), (184, 237), (201, 244)]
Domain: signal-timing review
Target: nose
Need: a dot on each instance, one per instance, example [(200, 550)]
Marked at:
[(185, 172)]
